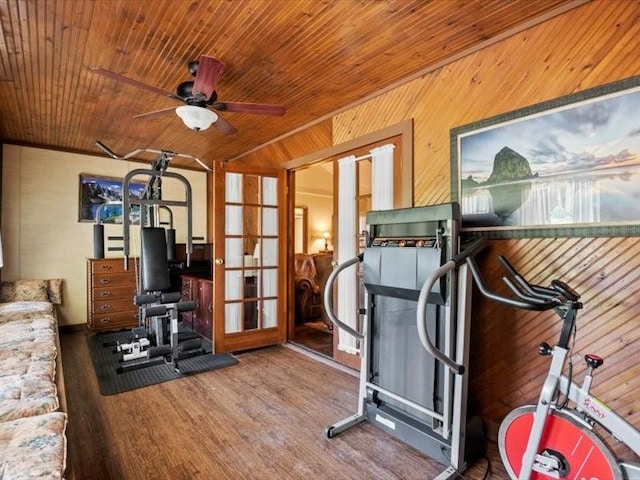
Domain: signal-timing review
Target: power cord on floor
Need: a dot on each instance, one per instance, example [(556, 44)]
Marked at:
[(486, 475)]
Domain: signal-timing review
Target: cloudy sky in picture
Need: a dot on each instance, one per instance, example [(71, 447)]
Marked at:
[(598, 133)]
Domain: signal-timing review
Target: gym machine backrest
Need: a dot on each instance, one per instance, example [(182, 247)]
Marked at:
[(154, 264)]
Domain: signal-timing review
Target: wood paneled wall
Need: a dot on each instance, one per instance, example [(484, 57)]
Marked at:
[(589, 46), (297, 145), (506, 370)]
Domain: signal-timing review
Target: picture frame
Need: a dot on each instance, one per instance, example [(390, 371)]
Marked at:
[(568, 167), (95, 190)]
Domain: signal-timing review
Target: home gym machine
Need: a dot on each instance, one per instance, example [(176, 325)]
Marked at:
[(157, 333), (414, 334)]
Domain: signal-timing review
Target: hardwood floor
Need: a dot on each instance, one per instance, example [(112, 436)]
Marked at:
[(261, 419), (316, 336)]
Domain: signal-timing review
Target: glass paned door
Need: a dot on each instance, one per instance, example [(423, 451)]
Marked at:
[(247, 272)]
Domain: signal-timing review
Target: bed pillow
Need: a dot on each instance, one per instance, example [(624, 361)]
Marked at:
[(54, 291), (31, 291)]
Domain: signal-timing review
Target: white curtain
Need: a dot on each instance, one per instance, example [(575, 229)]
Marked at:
[(382, 194), (233, 213), (233, 226), (233, 187), (382, 177), (269, 191), (347, 307)]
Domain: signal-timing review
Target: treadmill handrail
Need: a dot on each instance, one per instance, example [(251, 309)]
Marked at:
[(421, 309), (421, 321), (328, 297)]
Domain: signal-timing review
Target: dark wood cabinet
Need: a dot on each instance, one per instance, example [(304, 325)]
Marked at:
[(203, 315), (186, 291), (200, 291), (110, 292)]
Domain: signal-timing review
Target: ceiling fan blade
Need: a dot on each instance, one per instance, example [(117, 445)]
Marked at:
[(155, 113), (129, 81), (209, 72), (224, 126), (255, 108), (178, 98)]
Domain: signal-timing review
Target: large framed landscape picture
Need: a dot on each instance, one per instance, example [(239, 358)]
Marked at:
[(565, 167), (96, 190)]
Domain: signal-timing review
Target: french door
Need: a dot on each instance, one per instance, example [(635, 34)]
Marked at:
[(249, 265)]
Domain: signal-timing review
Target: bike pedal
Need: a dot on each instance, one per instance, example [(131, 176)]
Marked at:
[(545, 349)]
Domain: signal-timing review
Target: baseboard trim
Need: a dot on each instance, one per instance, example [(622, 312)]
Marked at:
[(322, 359), (77, 327)]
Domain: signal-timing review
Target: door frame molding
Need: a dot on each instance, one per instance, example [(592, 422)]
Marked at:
[(404, 129)]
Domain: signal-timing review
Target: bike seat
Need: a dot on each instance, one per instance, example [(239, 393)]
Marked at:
[(594, 361)]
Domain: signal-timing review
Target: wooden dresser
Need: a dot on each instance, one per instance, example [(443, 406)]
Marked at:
[(110, 294)]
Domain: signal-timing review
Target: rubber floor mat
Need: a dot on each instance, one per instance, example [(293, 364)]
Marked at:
[(137, 374)]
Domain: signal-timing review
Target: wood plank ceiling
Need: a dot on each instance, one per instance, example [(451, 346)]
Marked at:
[(316, 57)]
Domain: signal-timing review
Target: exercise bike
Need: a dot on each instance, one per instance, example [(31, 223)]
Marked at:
[(555, 438)]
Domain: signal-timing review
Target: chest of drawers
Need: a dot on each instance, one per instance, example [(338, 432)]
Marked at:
[(110, 294)]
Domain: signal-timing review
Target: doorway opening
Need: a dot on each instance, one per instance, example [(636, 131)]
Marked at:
[(313, 256), (314, 179)]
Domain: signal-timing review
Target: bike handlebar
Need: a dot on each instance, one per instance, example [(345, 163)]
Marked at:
[(534, 297), (533, 290), (521, 295)]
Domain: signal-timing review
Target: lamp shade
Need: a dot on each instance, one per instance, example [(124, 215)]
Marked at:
[(196, 118)]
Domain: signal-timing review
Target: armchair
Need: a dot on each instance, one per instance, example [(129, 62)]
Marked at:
[(308, 296), (324, 267)]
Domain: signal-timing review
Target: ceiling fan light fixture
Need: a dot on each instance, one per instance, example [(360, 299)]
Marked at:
[(196, 118)]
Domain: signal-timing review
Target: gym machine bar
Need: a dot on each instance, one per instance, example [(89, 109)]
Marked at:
[(156, 202), (129, 155)]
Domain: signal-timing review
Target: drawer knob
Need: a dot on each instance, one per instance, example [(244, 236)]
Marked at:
[(105, 280), (106, 294), (105, 307), (105, 320), (106, 267)]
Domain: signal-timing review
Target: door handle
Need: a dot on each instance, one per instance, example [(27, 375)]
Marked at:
[(219, 261)]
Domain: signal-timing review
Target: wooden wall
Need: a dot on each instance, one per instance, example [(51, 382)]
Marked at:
[(589, 46), (304, 142)]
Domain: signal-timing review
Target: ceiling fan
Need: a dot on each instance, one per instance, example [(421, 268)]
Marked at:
[(199, 96)]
